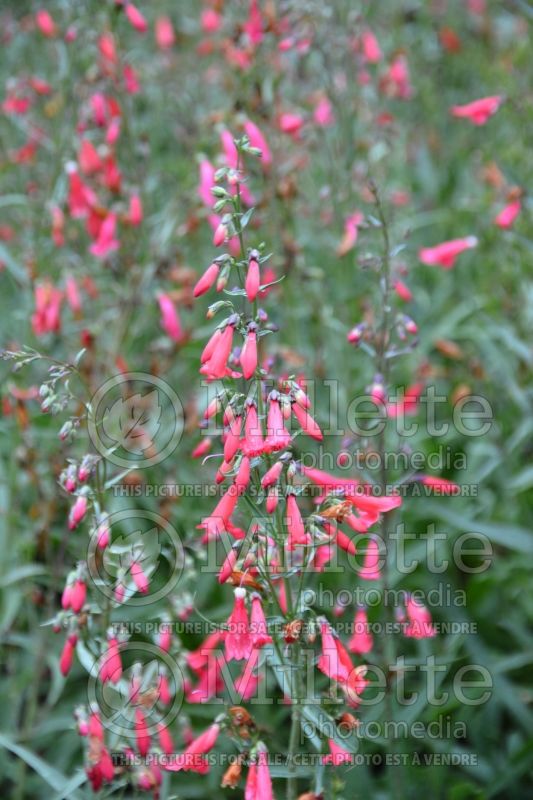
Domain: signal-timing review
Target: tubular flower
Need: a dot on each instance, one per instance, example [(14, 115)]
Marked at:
[(295, 526), (238, 639), (192, 758), (207, 280), (111, 664), (258, 625), (277, 436), (370, 570), (444, 255), (253, 444), (259, 783), (420, 625), (248, 357), (361, 641), (478, 112)]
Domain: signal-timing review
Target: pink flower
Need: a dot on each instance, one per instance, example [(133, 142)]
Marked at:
[(323, 114), (106, 242), (479, 111), (139, 578), (361, 641), (397, 79), (507, 216), (111, 664), (237, 638), (165, 739), (207, 181), (77, 596), (45, 23), (445, 254), (81, 198), (164, 33), (278, 437), (88, 157), (350, 233), (253, 444), (253, 26), (370, 570), (295, 525), (135, 211), (207, 280), (370, 46), (170, 321), (248, 357), (229, 564), (216, 365), (141, 733), (47, 315), (334, 661), (337, 755), (420, 626), (253, 280), (307, 423), (67, 655), (403, 291), (211, 20), (442, 486), (259, 630), (220, 235), (135, 18), (259, 783), (258, 140), (77, 512), (230, 150), (191, 758), (291, 124), (271, 477)]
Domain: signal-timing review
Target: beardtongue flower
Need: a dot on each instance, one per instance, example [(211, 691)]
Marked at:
[(253, 444), (207, 280), (135, 18), (230, 151), (135, 211), (445, 254), (259, 783), (337, 754), (253, 278), (271, 477), (237, 638), (361, 640), (505, 219), (139, 578), (78, 594), (170, 321), (334, 661), (191, 758), (220, 235), (370, 570), (297, 534), (206, 182), (216, 365), (307, 423), (229, 564), (165, 739), (164, 33), (370, 47), (248, 357), (67, 655), (106, 242), (479, 111), (141, 733), (420, 625), (277, 436), (258, 625), (257, 140), (232, 441), (45, 23), (77, 512), (111, 664)]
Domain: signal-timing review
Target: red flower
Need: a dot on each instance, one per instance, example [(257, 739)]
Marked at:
[(479, 111), (278, 437), (191, 758), (444, 255), (238, 639)]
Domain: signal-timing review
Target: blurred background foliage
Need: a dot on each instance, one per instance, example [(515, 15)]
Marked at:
[(475, 327)]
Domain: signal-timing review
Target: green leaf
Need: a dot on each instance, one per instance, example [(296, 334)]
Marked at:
[(49, 774)]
